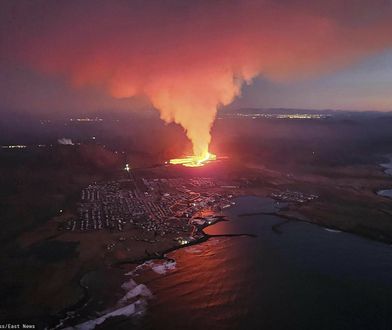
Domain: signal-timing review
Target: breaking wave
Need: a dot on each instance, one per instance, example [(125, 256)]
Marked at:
[(133, 303), (159, 267), (135, 309)]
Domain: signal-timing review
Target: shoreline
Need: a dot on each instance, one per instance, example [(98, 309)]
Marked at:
[(199, 229), (64, 315), (56, 321), (284, 216), (387, 168), (290, 218), (376, 235)]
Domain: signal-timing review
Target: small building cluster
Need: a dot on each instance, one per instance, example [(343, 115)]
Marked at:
[(293, 196)]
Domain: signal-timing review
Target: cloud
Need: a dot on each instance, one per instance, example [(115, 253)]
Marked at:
[(189, 58)]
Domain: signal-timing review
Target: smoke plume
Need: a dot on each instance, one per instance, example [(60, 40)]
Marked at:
[(190, 58)]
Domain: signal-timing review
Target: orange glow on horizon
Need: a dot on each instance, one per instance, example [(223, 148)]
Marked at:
[(192, 59)]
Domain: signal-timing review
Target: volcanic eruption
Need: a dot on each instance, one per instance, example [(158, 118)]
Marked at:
[(190, 58)]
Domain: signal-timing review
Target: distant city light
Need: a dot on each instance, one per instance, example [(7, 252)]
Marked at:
[(279, 116), (15, 146), (86, 119)]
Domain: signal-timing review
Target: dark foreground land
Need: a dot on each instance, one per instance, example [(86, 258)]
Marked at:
[(324, 171)]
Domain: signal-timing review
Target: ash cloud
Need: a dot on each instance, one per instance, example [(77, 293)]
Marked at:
[(189, 58)]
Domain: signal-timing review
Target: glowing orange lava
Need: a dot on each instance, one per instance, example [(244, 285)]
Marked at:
[(194, 161)]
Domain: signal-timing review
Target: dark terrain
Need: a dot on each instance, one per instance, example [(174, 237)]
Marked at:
[(335, 158)]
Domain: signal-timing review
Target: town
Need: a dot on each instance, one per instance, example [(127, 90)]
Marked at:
[(159, 206)]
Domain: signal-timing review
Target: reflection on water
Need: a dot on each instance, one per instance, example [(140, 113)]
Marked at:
[(303, 278)]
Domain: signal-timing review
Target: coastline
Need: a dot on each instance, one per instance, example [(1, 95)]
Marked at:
[(57, 321), (203, 238), (290, 217), (292, 213), (349, 206), (200, 236), (386, 192)]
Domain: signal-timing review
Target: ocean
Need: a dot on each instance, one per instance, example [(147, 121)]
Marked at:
[(291, 275)]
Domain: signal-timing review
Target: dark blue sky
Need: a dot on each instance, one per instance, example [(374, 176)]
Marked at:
[(366, 85)]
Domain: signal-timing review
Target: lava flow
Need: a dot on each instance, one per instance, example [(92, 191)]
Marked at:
[(194, 161)]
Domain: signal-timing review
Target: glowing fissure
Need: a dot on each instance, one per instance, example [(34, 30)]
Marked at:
[(194, 161)]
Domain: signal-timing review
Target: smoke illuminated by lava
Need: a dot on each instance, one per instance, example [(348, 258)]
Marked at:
[(190, 58)]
